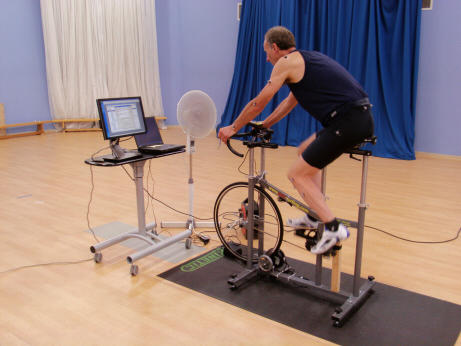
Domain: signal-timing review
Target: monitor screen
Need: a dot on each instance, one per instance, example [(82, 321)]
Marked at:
[(121, 117)]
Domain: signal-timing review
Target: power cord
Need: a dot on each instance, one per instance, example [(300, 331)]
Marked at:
[(243, 161), (165, 204), (417, 241), (398, 237), (89, 204), (149, 200), (92, 189), (45, 264), (196, 238)]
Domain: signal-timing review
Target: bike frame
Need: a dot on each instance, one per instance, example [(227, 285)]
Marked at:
[(283, 196)]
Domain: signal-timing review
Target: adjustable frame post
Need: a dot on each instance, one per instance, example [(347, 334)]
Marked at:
[(359, 293), (262, 209), (250, 218), (361, 227)]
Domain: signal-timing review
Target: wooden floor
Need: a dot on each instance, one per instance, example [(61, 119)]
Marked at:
[(45, 191)]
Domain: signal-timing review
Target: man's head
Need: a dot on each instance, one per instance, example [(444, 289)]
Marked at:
[(278, 39)]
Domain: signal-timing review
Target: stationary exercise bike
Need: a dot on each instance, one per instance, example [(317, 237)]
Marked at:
[(249, 224)]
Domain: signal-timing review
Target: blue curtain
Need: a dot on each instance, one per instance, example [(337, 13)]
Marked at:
[(376, 40)]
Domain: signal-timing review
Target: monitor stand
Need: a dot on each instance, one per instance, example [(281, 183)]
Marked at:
[(119, 154)]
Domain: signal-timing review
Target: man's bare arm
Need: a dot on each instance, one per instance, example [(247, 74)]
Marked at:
[(257, 105), (281, 111)]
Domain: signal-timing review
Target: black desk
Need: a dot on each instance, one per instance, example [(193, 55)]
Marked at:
[(145, 232)]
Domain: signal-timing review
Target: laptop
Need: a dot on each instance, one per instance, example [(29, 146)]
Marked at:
[(151, 142)]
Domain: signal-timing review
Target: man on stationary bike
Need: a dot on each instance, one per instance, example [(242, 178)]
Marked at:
[(332, 96)]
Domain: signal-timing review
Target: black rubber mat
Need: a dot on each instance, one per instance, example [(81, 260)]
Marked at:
[(390, 316)]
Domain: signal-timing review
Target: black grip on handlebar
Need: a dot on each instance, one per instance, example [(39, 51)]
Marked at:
[(257, 132), (233, 151)]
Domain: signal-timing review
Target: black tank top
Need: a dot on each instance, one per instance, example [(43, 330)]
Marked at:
[(325, 86)]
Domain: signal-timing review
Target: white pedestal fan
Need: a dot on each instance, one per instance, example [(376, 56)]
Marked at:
[(196, 114)]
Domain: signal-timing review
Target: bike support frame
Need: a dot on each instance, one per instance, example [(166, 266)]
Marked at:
[(349, 301)]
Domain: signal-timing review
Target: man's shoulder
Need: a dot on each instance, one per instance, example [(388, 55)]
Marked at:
[(292, 66), (289, 60)]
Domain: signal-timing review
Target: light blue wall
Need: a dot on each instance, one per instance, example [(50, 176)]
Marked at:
[(197, 41), (438, 105), (23, 86)]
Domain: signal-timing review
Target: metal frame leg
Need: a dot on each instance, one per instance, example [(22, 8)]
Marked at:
[(251, 270), (359, 293)]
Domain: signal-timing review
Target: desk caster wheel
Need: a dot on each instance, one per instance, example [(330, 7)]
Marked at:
[(134, 270), (188, 243), (98, 257)]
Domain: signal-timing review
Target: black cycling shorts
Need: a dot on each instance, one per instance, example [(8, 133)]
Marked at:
[(341, 134)]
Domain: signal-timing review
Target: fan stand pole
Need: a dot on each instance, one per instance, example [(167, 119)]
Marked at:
[(190, 223), (190, 149)]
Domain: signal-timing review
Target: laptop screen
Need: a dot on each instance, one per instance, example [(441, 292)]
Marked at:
[(152, 136)]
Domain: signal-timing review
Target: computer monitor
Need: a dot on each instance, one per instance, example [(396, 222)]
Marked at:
[(121, 117)]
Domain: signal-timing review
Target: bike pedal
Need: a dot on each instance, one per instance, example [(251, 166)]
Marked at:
[(301, 233)]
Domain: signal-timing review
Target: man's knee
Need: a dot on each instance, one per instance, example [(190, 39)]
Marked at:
[(301, 170), (297, 173), (291, 176)]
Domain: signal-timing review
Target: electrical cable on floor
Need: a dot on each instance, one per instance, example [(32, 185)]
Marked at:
[(404, 239), (45, 264), (418, 241)]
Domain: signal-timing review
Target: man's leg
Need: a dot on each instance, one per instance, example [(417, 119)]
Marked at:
[(305, 178), (317, 177), (306, 221)]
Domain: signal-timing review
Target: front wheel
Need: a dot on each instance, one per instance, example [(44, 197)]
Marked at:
[(231, 221)]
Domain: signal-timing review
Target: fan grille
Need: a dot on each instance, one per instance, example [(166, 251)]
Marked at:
[(196, 113)]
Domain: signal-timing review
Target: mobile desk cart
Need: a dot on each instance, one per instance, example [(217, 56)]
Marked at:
[(145, 232)]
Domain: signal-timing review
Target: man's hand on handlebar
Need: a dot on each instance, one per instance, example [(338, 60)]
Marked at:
[(226, 132)]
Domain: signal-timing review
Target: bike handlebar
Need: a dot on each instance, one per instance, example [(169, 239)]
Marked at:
[(260, 137), (233, 151)]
